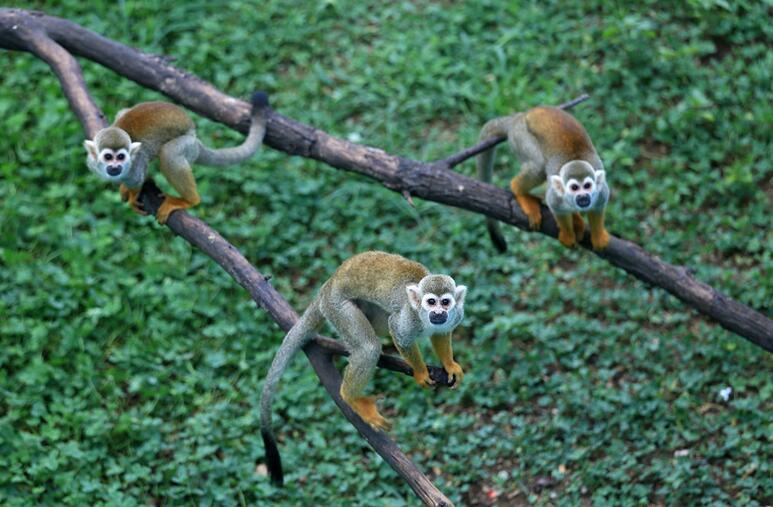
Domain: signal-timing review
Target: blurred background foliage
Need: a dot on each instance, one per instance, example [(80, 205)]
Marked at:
[(131, 364)]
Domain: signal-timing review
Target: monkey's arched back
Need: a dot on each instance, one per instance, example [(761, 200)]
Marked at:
[(377, 276), (558, 132), (166, 121)]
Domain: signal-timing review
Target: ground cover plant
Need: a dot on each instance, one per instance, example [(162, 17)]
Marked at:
[(131, 364)]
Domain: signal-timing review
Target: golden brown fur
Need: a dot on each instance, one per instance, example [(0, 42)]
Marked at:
[(559, 134), (157, 122)]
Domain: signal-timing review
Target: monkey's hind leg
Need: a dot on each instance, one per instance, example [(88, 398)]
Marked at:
[(175, 166), (521, 185), (566, 230), (364, 350), (130, 195), (599, 237), (579, 226)]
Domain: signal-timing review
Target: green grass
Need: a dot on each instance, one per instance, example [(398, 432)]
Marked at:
[(131, 364)]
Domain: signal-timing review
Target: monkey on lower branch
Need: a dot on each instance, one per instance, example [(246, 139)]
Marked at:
[(121, 152), (551, 145), (370, 295)]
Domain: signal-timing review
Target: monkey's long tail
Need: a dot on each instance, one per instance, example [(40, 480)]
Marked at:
[(236, 154), (485, 162), (296, 338)]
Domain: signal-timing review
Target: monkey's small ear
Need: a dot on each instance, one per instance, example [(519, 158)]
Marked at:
[(557, 184), (91, 148), (134, 148), (460, 293), (414, 295), (601, 177)]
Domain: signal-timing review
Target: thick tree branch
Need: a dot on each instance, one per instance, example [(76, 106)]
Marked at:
[(26, 34), (430, 181)]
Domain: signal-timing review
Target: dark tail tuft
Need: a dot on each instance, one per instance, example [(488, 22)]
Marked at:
[(259, 100), (273, 460), (496, 236)]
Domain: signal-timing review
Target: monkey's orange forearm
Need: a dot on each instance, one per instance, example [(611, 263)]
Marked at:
[(442, 345), (413, 356)]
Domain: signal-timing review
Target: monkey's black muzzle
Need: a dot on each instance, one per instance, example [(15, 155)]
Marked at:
[(114, 170), (583, 200), (438, 317)]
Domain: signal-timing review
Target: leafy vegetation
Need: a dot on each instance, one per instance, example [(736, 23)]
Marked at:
[(131, 364)]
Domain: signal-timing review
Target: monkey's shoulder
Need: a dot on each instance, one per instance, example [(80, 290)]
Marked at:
[(559, 132), (160, 120)]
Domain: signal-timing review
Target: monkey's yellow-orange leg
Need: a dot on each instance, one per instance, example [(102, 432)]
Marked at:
[(169, 205), (130, 195), (177, 171), (528, 203), (566, 230), (420, 372), (365, 407), (599, 237), (442, 345), (579, 226)]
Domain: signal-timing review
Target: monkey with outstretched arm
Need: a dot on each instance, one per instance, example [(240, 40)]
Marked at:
[(551, 145), (121, 152), (370, 295)]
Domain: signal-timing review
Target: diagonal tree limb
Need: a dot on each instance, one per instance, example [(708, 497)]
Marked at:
[(200, 235), (431, 181), (28, 36)]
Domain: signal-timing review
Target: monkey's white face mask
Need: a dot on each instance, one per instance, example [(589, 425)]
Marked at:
[(579, 193), (440, 313), (108, 163)]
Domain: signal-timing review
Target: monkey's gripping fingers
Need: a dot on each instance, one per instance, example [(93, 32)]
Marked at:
[(130, 195), (422, 378), (454, 370)]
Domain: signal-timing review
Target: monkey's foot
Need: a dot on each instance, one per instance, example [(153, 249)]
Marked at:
[(422, 377), (169, 205), (365, 407), (579, 226), (454, 370), (531, 207), (599, 239), (130, 195), (567, 239)]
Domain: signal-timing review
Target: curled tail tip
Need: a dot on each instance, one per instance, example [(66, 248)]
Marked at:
[(273, 460), (259, 100), (496, 237)]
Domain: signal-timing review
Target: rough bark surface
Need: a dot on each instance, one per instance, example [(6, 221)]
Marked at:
[(55, 40)]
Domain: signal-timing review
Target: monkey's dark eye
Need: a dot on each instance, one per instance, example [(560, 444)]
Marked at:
[(575, 187), (445, 301), (121, 156), (108, 156), (587, 185), (431, 301)]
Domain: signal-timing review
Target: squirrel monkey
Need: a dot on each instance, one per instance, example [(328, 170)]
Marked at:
[(551, 144), (121, 152), (372, 294)]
